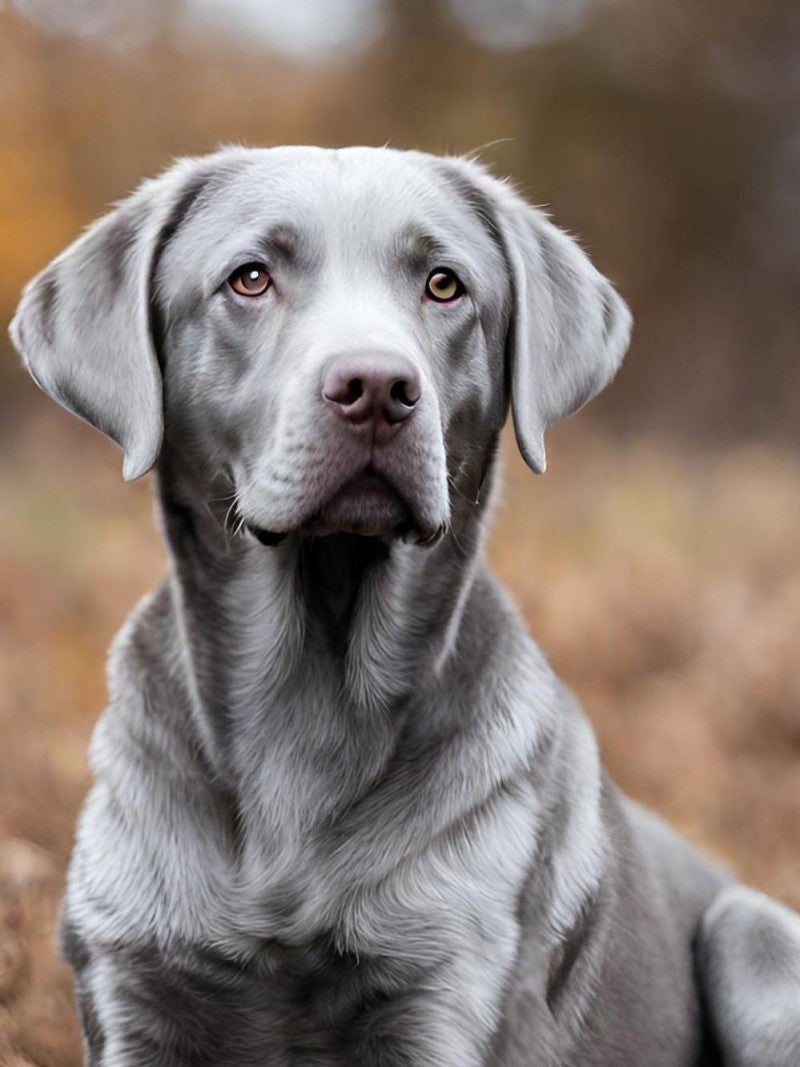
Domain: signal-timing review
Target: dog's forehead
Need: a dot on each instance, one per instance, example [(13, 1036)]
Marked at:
[(366, 200)]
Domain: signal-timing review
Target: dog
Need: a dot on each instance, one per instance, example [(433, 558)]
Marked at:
[(344, 813)]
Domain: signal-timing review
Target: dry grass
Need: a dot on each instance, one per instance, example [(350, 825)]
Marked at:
[(664, 586)]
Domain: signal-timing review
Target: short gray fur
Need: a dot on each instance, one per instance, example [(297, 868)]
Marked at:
[(344, 812)]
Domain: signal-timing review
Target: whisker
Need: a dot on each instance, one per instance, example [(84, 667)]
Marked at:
[(457, 489), (233, 522)]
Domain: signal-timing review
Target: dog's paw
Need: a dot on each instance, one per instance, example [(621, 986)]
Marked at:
[(749, 960)]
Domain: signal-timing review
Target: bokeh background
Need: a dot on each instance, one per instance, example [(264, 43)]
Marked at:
[(658, 561)]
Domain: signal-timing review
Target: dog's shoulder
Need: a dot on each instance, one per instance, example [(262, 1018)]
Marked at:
[(153, 820)]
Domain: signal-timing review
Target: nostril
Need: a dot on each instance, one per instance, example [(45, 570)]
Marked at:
[(404, 393), (344, 391)]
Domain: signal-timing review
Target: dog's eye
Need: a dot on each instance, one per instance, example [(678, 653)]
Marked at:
[(443, 285), (250, 280)]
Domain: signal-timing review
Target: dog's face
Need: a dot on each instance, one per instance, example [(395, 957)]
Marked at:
[(334, 330), (329, 316)]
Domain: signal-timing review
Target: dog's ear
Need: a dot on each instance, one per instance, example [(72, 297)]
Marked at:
[(569, 328), (569, 332), (83, 325)]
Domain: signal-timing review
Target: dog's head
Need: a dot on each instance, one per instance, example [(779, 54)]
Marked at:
[(339, 331)]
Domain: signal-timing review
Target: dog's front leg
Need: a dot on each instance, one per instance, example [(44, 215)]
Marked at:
[(140, 1007), (129, 1017)]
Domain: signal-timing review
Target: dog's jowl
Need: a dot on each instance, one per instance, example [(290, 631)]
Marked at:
[(344, 813)]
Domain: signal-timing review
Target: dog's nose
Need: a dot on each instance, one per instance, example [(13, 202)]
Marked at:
[(377, 392)]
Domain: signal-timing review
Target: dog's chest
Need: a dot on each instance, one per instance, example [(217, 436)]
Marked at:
[(321, 967), (340, 937), (336, 894)]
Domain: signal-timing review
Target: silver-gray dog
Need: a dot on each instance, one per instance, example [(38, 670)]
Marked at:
[(344, 812)]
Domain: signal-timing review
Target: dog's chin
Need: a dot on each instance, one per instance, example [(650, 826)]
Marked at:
[(368, 506)]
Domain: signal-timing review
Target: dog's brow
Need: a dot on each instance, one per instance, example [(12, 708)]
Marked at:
[(283, 241), (418, 247)]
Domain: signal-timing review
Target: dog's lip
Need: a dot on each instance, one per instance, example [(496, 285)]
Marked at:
[(369, 481), (368, 485), (268, 538), (367, 498)]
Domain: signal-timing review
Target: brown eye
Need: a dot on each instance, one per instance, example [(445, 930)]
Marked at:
[(250, 280), (443, 286)]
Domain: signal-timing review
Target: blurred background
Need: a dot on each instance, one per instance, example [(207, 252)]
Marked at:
[(658, 561)]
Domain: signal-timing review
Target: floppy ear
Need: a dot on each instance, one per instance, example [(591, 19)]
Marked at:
[(569, 327), (83, 324)]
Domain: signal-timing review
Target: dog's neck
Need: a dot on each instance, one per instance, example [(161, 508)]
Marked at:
[(355, 624)]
